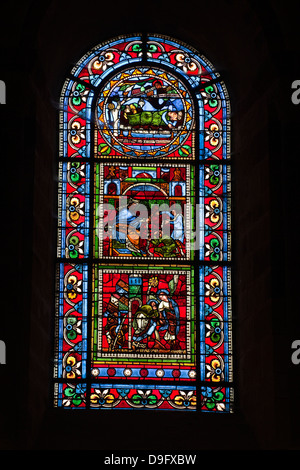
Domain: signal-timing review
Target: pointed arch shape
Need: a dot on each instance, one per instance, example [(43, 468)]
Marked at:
[(133, 102)]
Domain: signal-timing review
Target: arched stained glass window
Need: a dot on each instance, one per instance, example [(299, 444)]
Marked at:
[(143, 310)]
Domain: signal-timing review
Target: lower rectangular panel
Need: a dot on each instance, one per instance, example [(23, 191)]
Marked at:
[(143, 323)]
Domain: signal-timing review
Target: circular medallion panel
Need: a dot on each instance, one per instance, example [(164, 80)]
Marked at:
[(144, 112)]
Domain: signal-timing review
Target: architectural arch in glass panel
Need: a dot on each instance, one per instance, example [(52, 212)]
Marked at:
[(143, 301)]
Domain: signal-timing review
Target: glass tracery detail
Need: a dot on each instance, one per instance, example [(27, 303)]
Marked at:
[(143, 285)]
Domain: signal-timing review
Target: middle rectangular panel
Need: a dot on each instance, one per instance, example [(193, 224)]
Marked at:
[(143, 211)]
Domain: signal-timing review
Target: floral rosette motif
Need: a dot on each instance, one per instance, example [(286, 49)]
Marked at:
[(74, 247), (215, 369), (74, 396), (152, 49), (71, 366), (214, 287), (213, 173), (214, 331), (213, 399), (134, 48), (103, 61), (73, 287), (213, 134), (76, 135), (214, 248), (144, 399), (211, 97), (137, 398), (106, 58), (213, 208), (78, 97), (82, 294), (104, 398), (187, 63), (75, 209), (76, 174)]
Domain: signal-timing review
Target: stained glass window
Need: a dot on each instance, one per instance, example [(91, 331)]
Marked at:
[(143, 286)]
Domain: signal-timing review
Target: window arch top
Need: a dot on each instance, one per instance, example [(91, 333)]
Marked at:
[(96, 68)]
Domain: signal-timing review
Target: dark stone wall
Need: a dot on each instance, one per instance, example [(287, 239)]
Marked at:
[(254, 47)]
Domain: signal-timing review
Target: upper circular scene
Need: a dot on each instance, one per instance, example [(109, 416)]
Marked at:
[(144, 112)]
